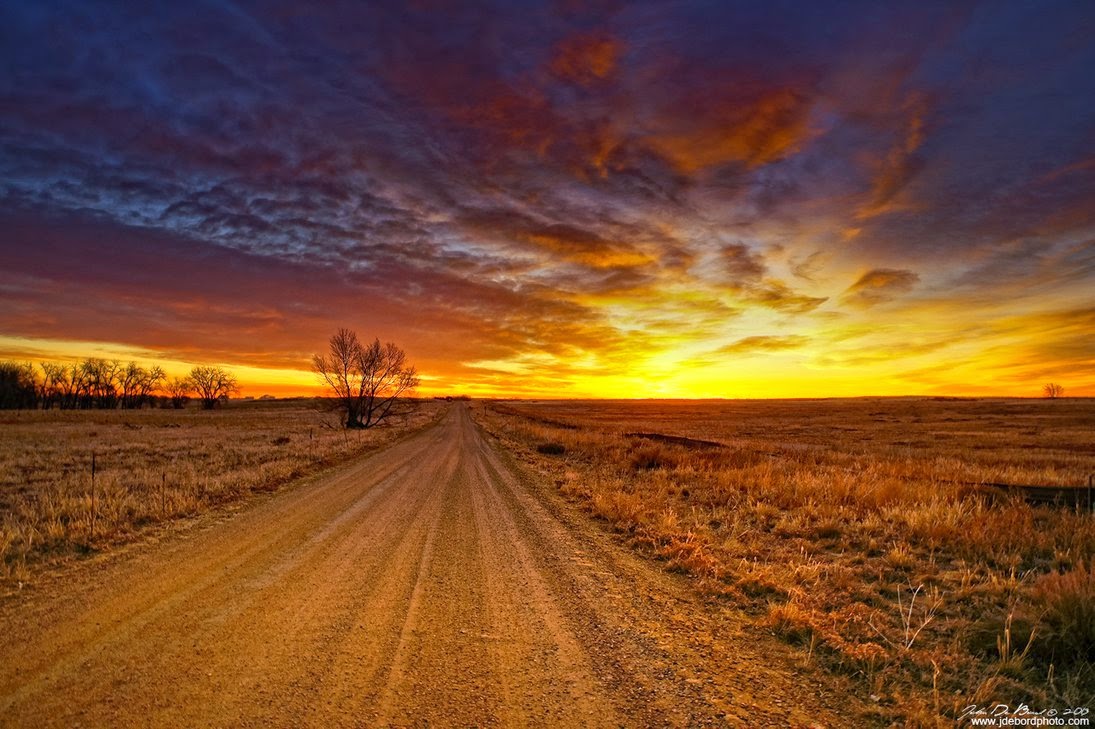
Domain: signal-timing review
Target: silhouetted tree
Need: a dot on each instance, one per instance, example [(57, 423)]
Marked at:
[(213, 384), (18, 386), (178, 391), (151, 382), (138, 383), (98, 383), (56, 385), (367, 381), (1053, 391)]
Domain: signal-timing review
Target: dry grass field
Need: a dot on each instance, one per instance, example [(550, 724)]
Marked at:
[(152, 466), (856, 530)]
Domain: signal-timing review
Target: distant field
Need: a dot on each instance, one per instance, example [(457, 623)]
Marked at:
[(153, 466), (826, 518)]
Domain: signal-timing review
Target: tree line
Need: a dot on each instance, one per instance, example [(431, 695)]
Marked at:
[(108, 384), (368, 382)]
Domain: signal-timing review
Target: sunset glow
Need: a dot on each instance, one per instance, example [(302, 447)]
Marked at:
[(559, 199)]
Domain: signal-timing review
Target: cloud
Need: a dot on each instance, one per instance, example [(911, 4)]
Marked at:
[(779, 296), (878, 286), (809, 266), (741, 263), (726, 126), (90, 280), (764, 343), (563, 241), (586, 58), (900, 163), (745, 273)]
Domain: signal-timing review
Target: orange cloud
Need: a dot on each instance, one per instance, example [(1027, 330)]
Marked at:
[(586, 59), (900, 164), (578, 248), (1084, 165), (774, 294), (879, 286), (565, 242), (752, 132), (764, 343)]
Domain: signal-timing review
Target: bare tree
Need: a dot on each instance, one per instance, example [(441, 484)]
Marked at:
[(61, 384), (151, 382), (213, 384), (138, 383), (340, 369), (178, 391), (99, 383), (127, 381), (18, 386), (1053, 391), (56, 385), (367, 381)]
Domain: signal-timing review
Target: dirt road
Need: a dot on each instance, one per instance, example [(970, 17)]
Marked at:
[(427, 584)]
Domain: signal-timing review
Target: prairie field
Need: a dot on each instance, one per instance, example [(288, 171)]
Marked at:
[(153, 466), (858, 530)]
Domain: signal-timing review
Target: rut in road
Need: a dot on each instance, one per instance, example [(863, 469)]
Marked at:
[(431, 583)]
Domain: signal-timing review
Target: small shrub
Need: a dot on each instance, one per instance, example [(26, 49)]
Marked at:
[(900, 558), (690, 555), (790, 622), (551, 449), (650, 457), (620, 508), (827, 529)]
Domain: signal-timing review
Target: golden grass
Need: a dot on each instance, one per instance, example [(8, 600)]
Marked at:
[(152, 466), (853, 528)]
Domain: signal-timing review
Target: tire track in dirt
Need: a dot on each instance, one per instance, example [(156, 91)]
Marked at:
[(431, 583)]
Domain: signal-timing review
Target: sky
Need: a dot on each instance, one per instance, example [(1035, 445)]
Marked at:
[(558, 199)]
